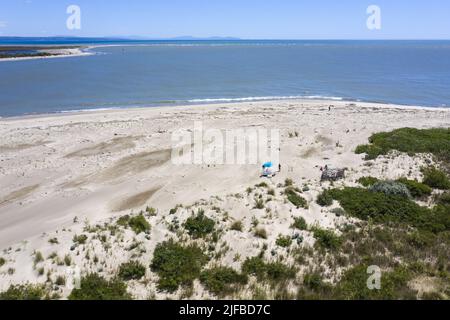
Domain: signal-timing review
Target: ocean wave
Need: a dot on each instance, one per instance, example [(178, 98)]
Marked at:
[(316, 97), (200, 101), (93, 109)]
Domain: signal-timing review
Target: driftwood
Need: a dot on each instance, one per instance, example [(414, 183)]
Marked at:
[(333, 174)]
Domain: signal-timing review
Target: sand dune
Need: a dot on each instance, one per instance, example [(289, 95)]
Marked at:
[(57, 171), (18, 194), (115, 145), (136, 201)]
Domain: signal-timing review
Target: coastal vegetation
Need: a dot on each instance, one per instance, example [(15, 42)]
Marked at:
[(274, 272), (402, 226), (222, 281), (138, 223), (293, 195), (284, 241), (199, 225), (409, 140), (133, 270), (300, 223), (177, 265), (95, 287), (435, 178), (23, 292), (237, 226), (325, 199)]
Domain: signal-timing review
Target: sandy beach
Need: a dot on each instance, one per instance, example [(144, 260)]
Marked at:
[(61, 172), (54, 53)]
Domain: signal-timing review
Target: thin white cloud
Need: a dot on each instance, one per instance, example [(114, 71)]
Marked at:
[(3, 24)]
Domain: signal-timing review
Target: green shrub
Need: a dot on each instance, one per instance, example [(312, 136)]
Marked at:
[(41, 271), (151, 211), (255, 266), (284, 241), (23, 292), (222, 280), (429, 296), (237, 226), (417, 190), (444, 199), (391, 188), (95, 287), (411, 141), (123, 221), (296, 199), (277, 271), (436, 179), (273, 271), (313, 281), (81, 239), (380, 207), (2, 262), (437, 220), (139, 224), (324, 199), (262, 185), (261, 233), (338, 212), (314, 288), (53, 241), (288, 182), (300, 223), (367, 181), (259, 204), (67, 260), (133, 270), (327, 238), (175, 210), (421, 239), (177, 265), (353, 285), (199, 226), (60, 281), (38, 257)]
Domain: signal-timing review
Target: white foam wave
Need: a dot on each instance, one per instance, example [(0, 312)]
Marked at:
[(264, 98)]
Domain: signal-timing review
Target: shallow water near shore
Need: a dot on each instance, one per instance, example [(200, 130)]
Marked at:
[(159, 73)]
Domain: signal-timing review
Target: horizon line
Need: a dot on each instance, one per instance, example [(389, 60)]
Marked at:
[(220, 38)]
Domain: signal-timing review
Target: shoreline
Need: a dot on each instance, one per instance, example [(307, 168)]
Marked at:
[(214, 105)]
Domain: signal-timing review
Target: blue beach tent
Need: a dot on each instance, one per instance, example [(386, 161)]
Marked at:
[(268, 165)]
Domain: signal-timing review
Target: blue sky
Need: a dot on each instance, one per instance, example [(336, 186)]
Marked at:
[(250, 19)]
